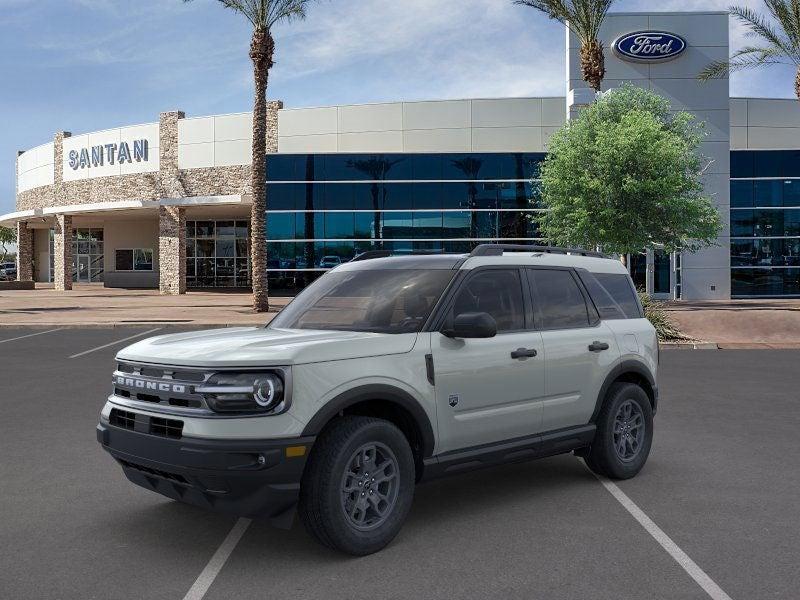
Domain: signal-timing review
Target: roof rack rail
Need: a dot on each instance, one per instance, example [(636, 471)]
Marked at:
[(498, 249), (370, 254)]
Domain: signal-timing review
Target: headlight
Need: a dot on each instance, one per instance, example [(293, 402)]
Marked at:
[(245, 392)]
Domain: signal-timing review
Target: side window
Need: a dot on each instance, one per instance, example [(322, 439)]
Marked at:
[(606, 305), (620, 289), (494, 291), (560, 301)]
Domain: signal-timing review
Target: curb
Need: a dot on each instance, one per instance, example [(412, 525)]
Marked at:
[(690, 345)]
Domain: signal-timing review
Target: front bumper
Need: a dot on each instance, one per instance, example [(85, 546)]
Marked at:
[(248, 478)]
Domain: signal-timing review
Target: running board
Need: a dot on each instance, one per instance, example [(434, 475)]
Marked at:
[(519, 449)]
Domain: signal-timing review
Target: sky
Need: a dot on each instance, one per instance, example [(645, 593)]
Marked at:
[(86, 65)]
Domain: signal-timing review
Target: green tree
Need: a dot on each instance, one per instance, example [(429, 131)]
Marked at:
[(263, 15), (626, 175), (584, 19), (778, 36), (8, 236)]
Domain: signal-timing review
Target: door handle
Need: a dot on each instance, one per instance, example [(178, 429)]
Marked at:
[(523, 353), (596, 346)]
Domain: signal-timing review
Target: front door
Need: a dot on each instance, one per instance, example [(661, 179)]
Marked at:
[(579, 348), (83, 268), (483, 393)]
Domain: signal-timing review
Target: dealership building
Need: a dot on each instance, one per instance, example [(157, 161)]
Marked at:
[(167, 204)]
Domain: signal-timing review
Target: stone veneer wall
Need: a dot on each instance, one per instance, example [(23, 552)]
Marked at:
[(62, 250), (24, 252), (171, 250)]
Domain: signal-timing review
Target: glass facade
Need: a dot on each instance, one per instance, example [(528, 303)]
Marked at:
[(326, 208), (765, 223), (217, 253)]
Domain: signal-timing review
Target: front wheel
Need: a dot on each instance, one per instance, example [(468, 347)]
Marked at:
[(624, 433), (358, 486)]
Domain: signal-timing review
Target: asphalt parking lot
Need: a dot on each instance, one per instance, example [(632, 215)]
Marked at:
[(722, 482)]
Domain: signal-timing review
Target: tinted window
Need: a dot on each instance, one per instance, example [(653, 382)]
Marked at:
[(612, 294), (559, 299), (380, 301), (495, 291)]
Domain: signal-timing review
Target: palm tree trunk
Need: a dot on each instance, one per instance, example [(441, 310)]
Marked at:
[(261, 52), (797, 84), (593, 64)]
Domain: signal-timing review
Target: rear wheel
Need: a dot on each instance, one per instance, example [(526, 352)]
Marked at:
[(358, 486), (624, 433)]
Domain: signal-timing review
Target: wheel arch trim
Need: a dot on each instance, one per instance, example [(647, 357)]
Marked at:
[(624, 368), (375, 392)]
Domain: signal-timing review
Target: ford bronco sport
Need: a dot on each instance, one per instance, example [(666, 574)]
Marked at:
[(385, 372)]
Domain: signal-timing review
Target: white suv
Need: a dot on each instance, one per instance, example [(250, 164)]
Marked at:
[(387, 371)]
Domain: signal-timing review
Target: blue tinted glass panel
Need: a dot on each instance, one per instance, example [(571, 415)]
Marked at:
[(765, 282), (396, 196), (427, 224), (426, 166), (281, 167), (790, 165), (768, 193), (339, 225), (462, 166), (456, 224), (791, 192), (344, 251), (515, 195), (339, 196), (455, 195), (399, 225), (768, 163), (366, 196), (741, 194), (280, 226), (791, 222), (425, 195), (282, 196), (742, 164), (742, 223), (366, 225), (309, 225)]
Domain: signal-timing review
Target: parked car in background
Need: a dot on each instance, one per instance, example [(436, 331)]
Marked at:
[(328, 262), (8, 271)]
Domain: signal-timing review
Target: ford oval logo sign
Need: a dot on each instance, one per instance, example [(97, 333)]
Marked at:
[(649, 46)]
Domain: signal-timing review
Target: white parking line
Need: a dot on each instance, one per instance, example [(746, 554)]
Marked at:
[(695, 572), (114, 343), (22, 337), (214, 566)]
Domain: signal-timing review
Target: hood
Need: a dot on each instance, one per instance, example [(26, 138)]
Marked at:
[(258, 346)]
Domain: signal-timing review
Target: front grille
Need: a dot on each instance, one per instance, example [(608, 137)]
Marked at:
[(122, 418), (171, 428), (164, 386), (157, 472)]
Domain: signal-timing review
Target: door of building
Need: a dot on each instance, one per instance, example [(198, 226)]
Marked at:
[(83, 269)]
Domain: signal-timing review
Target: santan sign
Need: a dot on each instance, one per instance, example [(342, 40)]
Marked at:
[(649, 46), (97, 156)]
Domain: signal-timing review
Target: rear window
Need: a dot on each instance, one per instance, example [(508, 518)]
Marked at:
[(612, 294)]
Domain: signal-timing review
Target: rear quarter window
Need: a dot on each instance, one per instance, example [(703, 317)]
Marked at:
[(612, 294)]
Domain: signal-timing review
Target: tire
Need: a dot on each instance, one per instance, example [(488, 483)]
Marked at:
[(622, 457), (336, 495)]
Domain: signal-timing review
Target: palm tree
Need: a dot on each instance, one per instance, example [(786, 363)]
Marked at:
[(584, 19), (262, 15), (780, 42)]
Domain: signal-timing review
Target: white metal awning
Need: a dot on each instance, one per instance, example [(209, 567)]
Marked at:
[(11, 219)]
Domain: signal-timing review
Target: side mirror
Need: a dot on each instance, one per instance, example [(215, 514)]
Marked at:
[(472, 325)]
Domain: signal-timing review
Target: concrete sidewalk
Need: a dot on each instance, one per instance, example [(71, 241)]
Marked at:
[(740, 323), (93, 305)]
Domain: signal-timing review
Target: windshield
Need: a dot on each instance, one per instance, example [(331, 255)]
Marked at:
[(380, 301)]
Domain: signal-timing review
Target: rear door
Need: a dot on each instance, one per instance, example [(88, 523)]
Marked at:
[(491, 389), (579, 348)]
